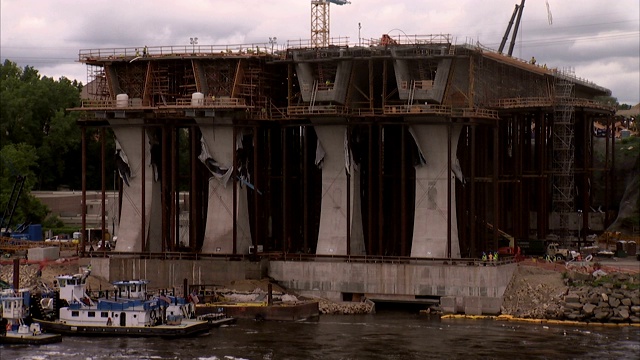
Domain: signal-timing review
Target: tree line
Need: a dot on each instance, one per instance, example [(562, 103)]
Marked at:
[(40, 140)]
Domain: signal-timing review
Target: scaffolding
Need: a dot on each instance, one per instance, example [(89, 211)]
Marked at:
[(563, 198), (97, 84)]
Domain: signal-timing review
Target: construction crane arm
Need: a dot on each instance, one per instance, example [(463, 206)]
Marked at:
[(340, 2)]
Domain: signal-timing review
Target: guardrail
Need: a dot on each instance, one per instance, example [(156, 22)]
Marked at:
[(220, 103), (129, 53), (316, 110), (262, 48), (417, 109), (511, 103), (280, 256)]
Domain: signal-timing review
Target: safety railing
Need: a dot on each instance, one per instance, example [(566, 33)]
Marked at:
[(130, 53), (284, 256), (475, 113), (512, 103), (417, 109), (317, 110)]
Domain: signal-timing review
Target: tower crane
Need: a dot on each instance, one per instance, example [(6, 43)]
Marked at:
[(320, 21)]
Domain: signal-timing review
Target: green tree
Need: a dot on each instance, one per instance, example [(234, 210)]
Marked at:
[(608, 100), (32, 111), (20, 160)]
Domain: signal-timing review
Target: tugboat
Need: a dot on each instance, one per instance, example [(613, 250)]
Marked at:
[(128, 310), (15, 325)]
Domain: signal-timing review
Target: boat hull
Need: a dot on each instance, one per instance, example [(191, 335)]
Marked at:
[(186, 329), (215, 320), (289, 312)]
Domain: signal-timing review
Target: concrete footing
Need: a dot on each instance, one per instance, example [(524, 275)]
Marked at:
[(468, 289), (471, 305)]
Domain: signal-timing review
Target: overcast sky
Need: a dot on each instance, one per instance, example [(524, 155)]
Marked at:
[(599, 40)]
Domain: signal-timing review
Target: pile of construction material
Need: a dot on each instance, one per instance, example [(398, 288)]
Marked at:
[(345, 308)]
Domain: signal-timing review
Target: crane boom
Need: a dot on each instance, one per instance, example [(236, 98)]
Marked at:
[(506, 33), (517, 11)]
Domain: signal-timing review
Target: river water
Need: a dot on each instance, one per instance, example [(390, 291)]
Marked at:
[(386, 335)]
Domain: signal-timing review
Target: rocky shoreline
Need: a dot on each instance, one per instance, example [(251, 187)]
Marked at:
[(603, 304), (590, 297)]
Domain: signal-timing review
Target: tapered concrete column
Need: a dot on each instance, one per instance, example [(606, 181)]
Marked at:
[(130, 236), (431, 204), (218, 236), (332, 238), (357, 231)]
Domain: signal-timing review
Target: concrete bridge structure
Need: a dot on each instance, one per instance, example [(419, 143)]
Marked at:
[(413, 148)]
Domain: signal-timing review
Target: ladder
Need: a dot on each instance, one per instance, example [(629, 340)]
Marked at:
[(314, 93), (412, 93)]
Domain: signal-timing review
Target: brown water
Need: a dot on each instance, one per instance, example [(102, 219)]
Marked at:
[(389, 335)]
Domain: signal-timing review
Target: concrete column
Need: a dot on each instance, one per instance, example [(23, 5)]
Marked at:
[(332, 237), (218, 236), (357, 231), (130, 236), (431, 203)]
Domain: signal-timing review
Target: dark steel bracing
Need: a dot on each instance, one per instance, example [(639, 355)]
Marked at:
[(507, 113)]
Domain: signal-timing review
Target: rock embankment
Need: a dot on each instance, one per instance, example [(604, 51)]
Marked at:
[(546, 294), (611, 300), (345, 308)]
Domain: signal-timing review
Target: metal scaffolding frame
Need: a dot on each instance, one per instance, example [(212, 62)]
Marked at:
[(563, 197)]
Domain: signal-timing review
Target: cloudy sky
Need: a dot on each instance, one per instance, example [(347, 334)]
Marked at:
[(599, 40)]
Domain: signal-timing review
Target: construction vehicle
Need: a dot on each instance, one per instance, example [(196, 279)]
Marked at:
[(554, 251), (507, 245), (12, 203)]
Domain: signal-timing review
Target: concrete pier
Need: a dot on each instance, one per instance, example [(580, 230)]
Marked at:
[(332, 239), (432, 203), (218, 236), (131, 236)]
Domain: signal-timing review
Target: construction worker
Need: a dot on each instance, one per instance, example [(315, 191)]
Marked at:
[(495, 256), (484, 256), (532, 61)]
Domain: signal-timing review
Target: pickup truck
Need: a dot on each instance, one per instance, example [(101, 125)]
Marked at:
[(556, 252)]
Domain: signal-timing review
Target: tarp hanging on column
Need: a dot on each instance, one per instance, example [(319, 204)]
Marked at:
[(218, 170), (347, 153), (122, 163), (422, 160), (320, 153)]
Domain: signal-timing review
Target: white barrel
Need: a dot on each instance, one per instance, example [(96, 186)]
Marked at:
[(122, 100), (197, 99)]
